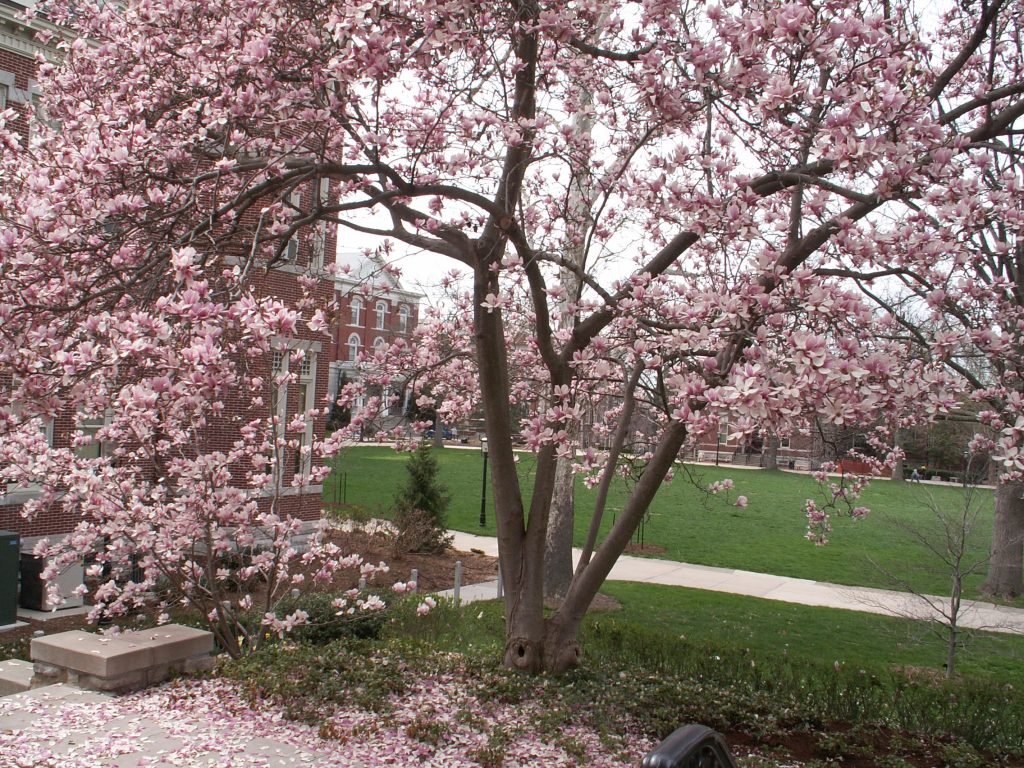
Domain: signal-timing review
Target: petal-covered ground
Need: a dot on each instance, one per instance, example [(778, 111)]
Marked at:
[(211, 723)]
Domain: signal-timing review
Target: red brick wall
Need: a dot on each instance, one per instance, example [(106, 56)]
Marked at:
[(24, 69), (367, 331)]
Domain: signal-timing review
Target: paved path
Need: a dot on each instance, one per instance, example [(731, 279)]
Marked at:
[(142, 739), (973, 614)]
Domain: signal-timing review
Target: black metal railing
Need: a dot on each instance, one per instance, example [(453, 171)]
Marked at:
[(692, 746)]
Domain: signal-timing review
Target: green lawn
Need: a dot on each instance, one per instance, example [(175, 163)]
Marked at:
[(768, 628), (766, 536)]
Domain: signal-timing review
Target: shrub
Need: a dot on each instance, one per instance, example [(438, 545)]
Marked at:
[(420, 505), (417, 531), (324, 624)]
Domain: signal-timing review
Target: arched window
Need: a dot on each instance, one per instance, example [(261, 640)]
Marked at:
[(357, 312), (353, 348), (382, 314), (379, 343), (403, 319)]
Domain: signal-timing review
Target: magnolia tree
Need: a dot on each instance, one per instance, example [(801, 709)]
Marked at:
[(728, 156), (168, 509), (955, 292)]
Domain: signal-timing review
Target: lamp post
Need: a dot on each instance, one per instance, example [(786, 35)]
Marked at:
[(483, 484)]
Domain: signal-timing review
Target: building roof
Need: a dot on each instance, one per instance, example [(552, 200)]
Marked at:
[(356, 268)]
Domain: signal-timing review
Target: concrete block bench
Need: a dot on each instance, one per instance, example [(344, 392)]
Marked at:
[(120, 663), (15, 676)]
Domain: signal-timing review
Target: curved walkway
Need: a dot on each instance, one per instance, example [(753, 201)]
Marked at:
[(974, 614)]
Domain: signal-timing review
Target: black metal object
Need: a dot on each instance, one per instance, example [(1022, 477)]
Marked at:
[(483, 490), (10, 549), (692, 746)]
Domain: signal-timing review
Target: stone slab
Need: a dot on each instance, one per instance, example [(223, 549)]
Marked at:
[(131, 659), (15, 676), (91, 654), (60, 613), (173, 642)]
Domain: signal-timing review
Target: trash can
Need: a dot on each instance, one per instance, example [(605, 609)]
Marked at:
[(34, 589), (10, 549)]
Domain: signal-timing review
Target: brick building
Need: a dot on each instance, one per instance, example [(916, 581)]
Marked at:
[(304, 255), (373, 310)]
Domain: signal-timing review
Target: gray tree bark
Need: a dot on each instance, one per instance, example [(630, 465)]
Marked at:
[(897, 471), (558, 543), (770, 457), (1006, 569), (897, 466)]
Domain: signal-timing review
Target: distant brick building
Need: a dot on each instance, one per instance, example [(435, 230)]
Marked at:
[(373, 310), (804, 451)]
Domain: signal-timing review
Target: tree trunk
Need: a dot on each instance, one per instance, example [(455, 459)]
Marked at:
[(951, 652), (952, 638), (560, 649), (770, 457), (897, 470), (897, 466), (1005, 578), (558, 543)]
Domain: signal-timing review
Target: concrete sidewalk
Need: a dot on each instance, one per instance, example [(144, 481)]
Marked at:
[(973, 614)]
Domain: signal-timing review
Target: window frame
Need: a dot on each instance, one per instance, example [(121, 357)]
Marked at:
[(353, 349)]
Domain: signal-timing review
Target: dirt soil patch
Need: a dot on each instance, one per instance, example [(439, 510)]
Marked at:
[(436, 573)]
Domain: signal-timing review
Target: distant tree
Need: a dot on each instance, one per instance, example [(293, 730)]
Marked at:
[(955, 545)]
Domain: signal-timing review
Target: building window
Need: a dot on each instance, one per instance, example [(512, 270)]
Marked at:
[(381, 314), (3, 95), (353, 348), (295, 208), (306, 403), (30, 488), (785, 442), (403, 319), (379, 343), (357, 312), (723, 431), (89, 427)]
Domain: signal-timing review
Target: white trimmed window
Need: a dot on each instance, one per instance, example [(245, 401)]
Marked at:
[(381, 315), (31, 488), (403, 319), (279, 407), (295, 208), (356, 308), (353, 348), (89, 426), (306, 402)]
